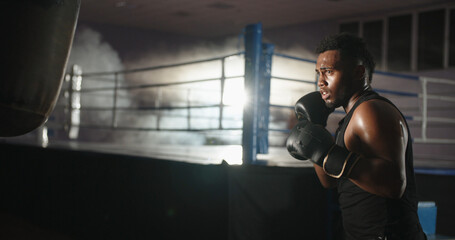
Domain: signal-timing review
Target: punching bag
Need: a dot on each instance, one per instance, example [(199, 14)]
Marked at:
[(35, 44)]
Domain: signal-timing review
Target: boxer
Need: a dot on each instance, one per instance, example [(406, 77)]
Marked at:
[(370, 161)]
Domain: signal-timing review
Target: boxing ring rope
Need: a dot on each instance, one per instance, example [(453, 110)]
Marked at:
[(423, 96), (425, 119), (74, 92)]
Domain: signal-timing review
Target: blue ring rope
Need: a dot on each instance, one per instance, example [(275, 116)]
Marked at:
[(435, 171)]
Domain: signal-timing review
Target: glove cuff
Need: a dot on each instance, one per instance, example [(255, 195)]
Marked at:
[(339, 162)]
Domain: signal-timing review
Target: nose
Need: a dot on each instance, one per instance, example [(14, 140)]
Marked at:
[(321, 80)]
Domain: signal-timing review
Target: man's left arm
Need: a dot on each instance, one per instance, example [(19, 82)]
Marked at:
[(378, 133)]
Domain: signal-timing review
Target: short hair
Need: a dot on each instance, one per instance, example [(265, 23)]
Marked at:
[(350, 46)]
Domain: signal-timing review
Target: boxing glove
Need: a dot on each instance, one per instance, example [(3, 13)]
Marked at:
[(313, 142), (312, 107)]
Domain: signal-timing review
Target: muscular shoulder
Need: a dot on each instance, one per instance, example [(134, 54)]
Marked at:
[(376, 113), (375, 122)]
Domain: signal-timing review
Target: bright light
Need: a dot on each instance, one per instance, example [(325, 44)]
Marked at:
[(231, 154), (234, 94)]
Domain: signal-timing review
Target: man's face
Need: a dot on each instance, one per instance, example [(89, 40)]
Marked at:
[(334, 78)]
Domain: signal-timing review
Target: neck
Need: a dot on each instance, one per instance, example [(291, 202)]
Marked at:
[(353, 99)]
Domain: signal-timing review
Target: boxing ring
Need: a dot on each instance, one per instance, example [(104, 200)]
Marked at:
[(155, 109)]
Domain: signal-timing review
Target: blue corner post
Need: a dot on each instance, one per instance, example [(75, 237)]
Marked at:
[(253, 52), (264, 98)]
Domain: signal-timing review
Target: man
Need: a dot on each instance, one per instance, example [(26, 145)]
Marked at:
[(371, 161)]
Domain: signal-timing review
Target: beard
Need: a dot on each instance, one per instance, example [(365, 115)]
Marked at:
[(339, 99), (330, 105)]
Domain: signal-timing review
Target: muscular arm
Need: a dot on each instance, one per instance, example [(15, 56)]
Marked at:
[(378, 132)]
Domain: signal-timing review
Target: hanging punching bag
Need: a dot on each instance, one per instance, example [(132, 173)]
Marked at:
[(35, 43)]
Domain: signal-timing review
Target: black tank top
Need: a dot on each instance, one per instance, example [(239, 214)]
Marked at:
[(369, 216)]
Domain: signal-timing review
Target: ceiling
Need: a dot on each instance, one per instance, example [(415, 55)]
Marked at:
[(212, 18)]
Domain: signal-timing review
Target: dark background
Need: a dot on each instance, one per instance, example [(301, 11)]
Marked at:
[(65, 194)]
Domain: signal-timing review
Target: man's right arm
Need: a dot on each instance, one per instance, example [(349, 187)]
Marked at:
[(311, 107), (326, 180)]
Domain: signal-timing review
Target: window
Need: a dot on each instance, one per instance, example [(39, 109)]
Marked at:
[(452, 39), (399, 42), (372, 34), (410, 41), (431, 40)]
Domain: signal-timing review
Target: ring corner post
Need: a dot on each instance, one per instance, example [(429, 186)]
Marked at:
[(253, 52), (264, 98), (74, 102)]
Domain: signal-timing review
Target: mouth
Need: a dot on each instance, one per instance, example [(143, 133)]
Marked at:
[(324, 94)]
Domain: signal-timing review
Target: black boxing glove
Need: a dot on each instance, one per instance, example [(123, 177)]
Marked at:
[(313, 142), (312, 107)]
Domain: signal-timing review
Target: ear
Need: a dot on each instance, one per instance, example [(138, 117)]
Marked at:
[(359, 72)]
